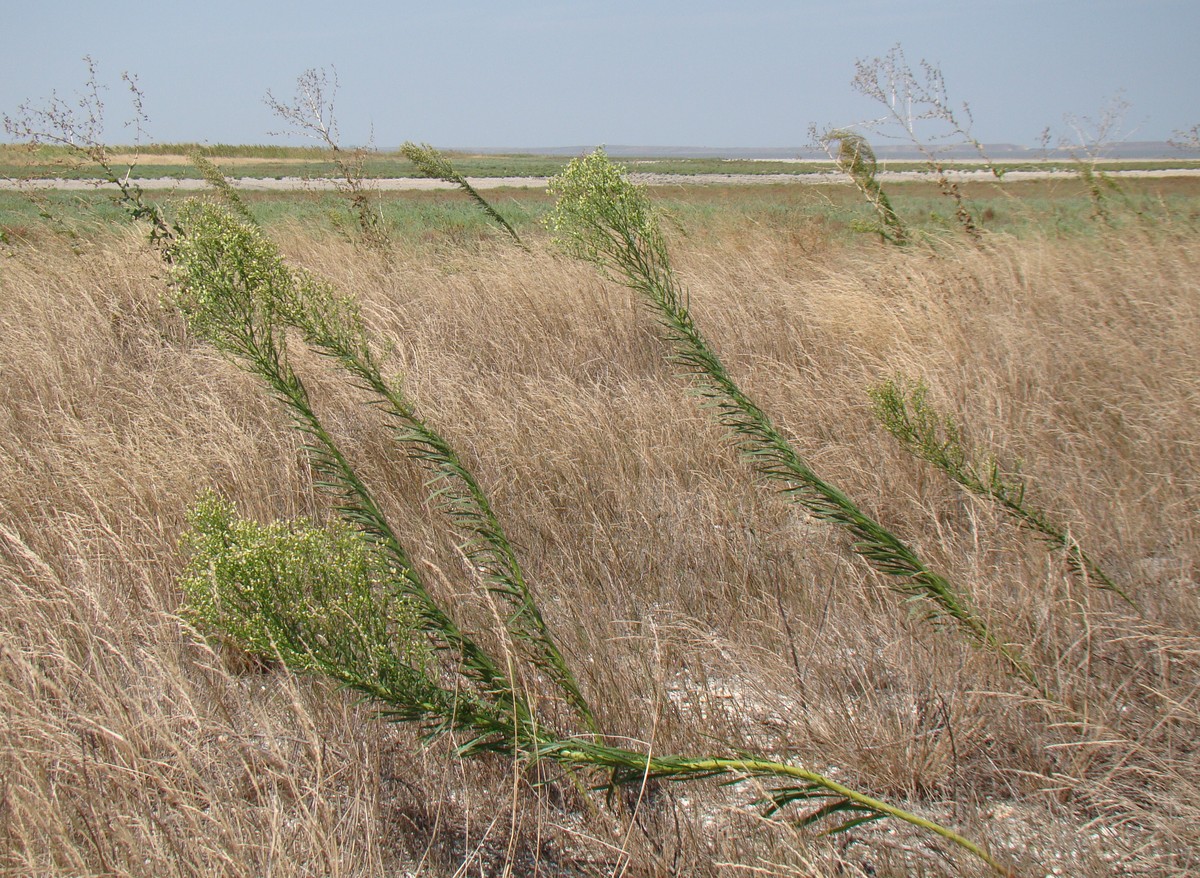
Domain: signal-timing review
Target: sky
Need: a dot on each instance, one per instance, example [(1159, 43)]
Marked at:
[(462, 73)]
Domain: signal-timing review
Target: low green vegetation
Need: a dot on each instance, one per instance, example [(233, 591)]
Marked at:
[(315, 597), (1023, 208)]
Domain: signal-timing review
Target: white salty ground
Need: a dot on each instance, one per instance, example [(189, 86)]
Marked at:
[(419, 183)]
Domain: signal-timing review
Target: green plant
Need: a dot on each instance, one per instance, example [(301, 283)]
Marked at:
[(603, 218), (237, 293), (213, 176), (855, 157), (319, 599), (334, 327), (432, 163), (902, 406), (234, 290)]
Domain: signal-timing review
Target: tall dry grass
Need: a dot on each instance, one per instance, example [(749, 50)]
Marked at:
[(694, 605)]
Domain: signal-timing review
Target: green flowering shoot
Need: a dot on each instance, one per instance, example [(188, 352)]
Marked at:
[(902, 407), (604, 218), (432, 163), (224, 189), (236, 292), (855, 158), (230, 282), (317, 598)]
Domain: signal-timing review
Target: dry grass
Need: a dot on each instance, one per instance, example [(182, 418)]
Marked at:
[(694, 605)]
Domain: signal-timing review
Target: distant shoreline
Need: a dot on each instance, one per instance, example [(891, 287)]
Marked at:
[(1138, 150)]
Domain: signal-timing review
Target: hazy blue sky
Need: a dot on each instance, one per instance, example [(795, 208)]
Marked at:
[(534, 72)]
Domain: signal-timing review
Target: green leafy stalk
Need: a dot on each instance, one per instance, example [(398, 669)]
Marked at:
[(855, 157), (1099, 185), (318, 599), (323, 600), (333, 325), (903, 409), (434, 164), (231, 285), (213, 176), (603, 218), (831, 797)]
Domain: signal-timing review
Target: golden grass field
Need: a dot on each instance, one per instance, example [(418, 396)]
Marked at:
[(699, 609)]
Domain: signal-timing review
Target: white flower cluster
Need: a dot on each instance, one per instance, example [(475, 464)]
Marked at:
[(602, 217), (318, 598)]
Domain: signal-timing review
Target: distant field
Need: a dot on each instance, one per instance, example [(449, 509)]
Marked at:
[(171, 161), (1021, 208)]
